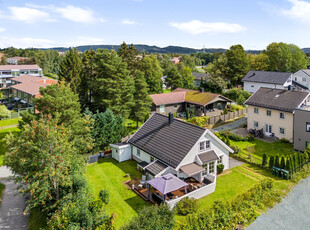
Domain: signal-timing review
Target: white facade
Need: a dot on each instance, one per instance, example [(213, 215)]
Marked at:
[(302, 78), (252, 87), (127, 152)]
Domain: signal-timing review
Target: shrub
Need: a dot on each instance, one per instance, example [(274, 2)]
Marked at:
[(104, 195), (236, 149), (227, 142), (186, 206), (271, 162), (234, 108), (249, 137), (241, 99), (220, 168), (200, 121), (277, 162), (282, 164), (231, 136), (264, 162), (283, 140)]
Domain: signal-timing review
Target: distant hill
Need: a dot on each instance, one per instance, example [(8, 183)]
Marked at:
[(152, 49)]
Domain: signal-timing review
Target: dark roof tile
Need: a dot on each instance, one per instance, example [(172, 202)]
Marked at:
[(169, 143), (267, 77), (208, 156)]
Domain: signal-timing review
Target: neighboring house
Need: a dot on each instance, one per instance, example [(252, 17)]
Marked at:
[(181, 99), (302, 128), (301, 80), (9, 71), (273, 111), (198, 77), (165, 145), (253, 80), (16, 60), (175, 60), (25, 88)]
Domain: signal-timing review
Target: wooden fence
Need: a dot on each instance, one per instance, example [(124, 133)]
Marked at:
[(222, 118)]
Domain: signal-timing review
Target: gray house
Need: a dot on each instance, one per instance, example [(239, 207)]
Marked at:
[(302, 128)]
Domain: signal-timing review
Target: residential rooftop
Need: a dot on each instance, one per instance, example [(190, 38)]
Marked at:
[(19, 67), (267, 77), (167, 142), (278, 99)]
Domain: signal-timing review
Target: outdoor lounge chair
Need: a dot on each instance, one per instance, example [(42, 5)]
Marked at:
[(143, 180)]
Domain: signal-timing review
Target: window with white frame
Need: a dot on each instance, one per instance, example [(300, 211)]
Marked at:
[(220, 161), (282, 131), (268, 112), (255, 124), (207, 144), (202, 146), (162, 108), (138, 152), (175, 106), (256, 110), (211, 167), (304, 79), (308, 126), (204, 173), (252, 86), (282, 115)]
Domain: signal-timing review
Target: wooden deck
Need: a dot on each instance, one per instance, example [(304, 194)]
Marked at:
[(192, 185)]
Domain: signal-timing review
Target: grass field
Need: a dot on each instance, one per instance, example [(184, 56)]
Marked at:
[(132, 125), (9, 122), (261, 147), (109, 174)]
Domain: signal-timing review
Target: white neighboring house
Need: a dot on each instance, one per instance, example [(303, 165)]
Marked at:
[(253, 80), (165, 145), (301, 80)]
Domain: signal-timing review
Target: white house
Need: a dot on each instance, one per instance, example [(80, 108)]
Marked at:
[(253, 80), (301, 80), (165, 145)]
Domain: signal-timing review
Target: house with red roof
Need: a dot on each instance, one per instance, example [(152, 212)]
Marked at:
[(181, 99), (27, 87)]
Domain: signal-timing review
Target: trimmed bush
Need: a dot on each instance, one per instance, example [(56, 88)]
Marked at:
[(200, 121), (264, 161), (277, 162), (220, 168), (271, 162), (104, 195), (186, 206)]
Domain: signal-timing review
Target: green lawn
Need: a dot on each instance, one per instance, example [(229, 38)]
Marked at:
[(132, 125), (3, 133), (261, 147), (167, 91), (109, 174), (9, 122), (1, 190)]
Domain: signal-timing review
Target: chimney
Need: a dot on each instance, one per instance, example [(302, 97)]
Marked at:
[(202, 89), (170, 117)]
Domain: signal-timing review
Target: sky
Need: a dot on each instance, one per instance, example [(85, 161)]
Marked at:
[(196, 23)]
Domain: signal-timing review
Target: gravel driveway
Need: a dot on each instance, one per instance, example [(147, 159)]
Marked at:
[(292, 213), (12, 205), (232, 125)]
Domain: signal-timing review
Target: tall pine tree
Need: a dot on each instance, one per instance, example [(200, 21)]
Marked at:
[(129, 55), (70, 69), (174, 79), (141, 96), (113, 86)]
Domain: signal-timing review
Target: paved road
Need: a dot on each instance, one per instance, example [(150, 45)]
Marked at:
[(232, 125), (292, 213), (234, 163), (12, 205)]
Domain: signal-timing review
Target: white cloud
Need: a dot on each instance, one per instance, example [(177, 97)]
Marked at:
[(77, 14), (128, 22), (299, 10), (198, 27), (2, 29), (28, 15), (79, 41)]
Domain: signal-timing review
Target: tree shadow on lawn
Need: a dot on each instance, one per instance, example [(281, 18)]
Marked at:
[(128, 167), (137, 203)]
